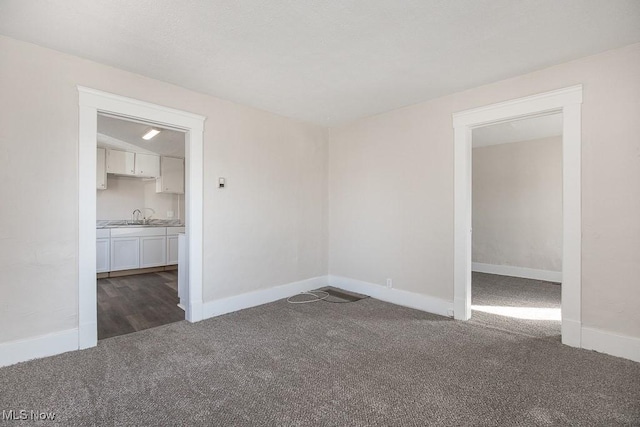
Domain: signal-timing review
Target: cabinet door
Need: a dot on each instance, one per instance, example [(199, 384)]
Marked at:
[(171, 176), (147, 165), (101, 170), (120, 162), (102, 255), (172, 250), (153, 251), (125, 253)]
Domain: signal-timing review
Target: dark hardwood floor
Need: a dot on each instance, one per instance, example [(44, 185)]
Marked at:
[(133, 303)]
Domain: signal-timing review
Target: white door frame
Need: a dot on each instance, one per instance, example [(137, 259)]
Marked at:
[(91, 103), (569, 102)]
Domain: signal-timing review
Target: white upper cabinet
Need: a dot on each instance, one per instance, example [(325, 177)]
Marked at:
[(147, 165), (101, 170), (132, 164), (171, 176), (121, 162)]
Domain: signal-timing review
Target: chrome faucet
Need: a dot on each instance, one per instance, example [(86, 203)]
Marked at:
[(152, 212), (134, 216)]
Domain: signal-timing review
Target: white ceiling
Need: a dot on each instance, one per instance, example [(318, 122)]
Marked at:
[(124, 134), (326, 61), (518, 130)]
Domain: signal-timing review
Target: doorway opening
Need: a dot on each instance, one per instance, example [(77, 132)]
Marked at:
[(517, 225), (568, 102), (94, 104), (140, 189)]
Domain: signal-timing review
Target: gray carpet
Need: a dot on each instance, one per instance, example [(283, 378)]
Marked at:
[(514, 296), (362, 363)]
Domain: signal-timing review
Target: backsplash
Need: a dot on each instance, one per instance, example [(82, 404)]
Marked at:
[(125, 194)]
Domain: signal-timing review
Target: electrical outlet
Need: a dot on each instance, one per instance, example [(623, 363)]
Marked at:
[(169, 214), (389, 283)]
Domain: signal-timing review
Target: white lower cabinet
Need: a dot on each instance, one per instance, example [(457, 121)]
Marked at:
[(172, 244), (102, 255), (125, 253), (153, 251), (172, 250), (130, 248)]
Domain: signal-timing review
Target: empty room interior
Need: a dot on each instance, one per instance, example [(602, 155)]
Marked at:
[(517, 225), (320, 213)]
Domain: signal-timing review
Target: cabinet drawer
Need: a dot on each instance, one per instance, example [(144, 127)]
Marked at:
[(138, 231), (103, 233), (174, 231)]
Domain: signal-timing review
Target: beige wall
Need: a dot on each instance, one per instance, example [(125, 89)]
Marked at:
[(517, 204), (391, 188), (125, 194), (266, 228)]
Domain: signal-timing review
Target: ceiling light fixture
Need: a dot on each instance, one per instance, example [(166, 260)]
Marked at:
[(150, 134)]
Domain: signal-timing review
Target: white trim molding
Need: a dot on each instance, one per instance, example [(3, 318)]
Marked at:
[(513, 271), (91, 102), (610, 343), (263, 296), (395, 296), (36, 347), (569, 102), (539, 104)]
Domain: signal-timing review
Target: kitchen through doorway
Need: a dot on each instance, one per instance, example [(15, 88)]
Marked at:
[(92, 104), (140, 214)]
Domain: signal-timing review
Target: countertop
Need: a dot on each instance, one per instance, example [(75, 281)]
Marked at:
[(137, 224)]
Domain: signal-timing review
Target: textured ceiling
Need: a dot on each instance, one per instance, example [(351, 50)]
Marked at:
[(326, 61), (518, 130)]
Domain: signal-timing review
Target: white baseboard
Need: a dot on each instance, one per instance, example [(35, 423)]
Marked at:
[(194, 312), (524, 272), (571, 332), (610, 343), (574, 335), (264, 296), (42, 346), (395, 296), (88, 335)]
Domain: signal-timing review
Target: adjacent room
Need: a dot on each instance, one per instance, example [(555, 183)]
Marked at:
[(517, 225), (320, 213)]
